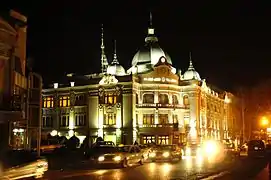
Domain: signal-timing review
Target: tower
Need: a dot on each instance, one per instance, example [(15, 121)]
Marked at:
[(104, 62)]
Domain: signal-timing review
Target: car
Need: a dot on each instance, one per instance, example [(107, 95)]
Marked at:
[(21, 165), (256, 148), (166, 153), (123, 156)]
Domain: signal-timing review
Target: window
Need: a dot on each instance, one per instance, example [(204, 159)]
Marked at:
[(80, 119), (163, 98), (79, 99), (64, 120), (185, 100), (47, 121), (48, 102), (163, 118), (148, 139), (175, 118), (186, 118), (110, 99), (64, 101), (110, 119), (175, 99), (148, 98), (148, 119), (163, 140)]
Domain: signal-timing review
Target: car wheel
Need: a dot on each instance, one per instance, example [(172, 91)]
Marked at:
[(141, 162), (124, 163)]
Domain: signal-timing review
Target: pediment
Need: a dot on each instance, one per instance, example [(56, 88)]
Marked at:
[(161, 74)]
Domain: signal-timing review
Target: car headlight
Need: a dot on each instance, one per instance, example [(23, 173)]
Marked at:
[(188, 152), (153, 154), (117, 158), (166, 154), (211, 148), (101, 158)]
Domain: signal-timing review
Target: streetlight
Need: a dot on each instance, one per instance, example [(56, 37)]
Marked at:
[(264, 121)]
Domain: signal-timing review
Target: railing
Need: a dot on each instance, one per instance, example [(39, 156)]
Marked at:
[(158, 105), (157, 125)]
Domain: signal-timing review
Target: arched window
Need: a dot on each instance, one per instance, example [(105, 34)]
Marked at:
[(163, 98), (185, 100), (175, 99), (148, 98)]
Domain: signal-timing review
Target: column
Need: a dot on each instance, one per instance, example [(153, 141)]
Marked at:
[(100, 122)]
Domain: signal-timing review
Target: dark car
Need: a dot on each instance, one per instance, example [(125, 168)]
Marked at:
[(256, 148), (166, 153)]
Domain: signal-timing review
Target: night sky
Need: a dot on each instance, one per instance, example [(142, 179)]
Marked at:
[(230, 43)]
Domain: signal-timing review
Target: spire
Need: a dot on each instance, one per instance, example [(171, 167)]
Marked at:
[(104, 63), (115, 59), (150, 29), (151, 37), (191, 67)]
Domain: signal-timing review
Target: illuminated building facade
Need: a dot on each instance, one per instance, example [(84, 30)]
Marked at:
[(150, 102), (13, 80)]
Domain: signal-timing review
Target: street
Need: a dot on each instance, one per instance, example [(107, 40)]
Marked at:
[(185, 169)]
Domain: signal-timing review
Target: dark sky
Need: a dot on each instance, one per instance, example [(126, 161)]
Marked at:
[(230, 43)]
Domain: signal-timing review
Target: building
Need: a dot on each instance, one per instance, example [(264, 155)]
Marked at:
[(13, 80), (150, 102)]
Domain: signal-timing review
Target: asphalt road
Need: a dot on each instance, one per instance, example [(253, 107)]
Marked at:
[(185, 169)]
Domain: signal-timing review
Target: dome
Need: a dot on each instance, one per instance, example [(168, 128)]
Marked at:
[(151, 52), (191, 73), (116, 70)]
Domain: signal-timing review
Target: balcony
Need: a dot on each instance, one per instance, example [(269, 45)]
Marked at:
[(158, 105), (158, 128)]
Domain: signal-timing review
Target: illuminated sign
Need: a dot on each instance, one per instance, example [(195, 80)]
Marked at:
[(163, 79)]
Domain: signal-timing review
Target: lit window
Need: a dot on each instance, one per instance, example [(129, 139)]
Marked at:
[(185, 100), (148, 139), (110, 99), (48, 102), (163, 140), (110, 119), (148, 119), (64, 101)]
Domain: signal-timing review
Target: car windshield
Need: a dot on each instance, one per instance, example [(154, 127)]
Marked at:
[(124, 149)]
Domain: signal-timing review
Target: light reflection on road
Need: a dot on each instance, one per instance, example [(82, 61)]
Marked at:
[(154, 170)]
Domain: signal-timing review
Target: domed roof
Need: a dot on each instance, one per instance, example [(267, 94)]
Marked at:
[(115, 68), (151, 52), (191, 73)]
